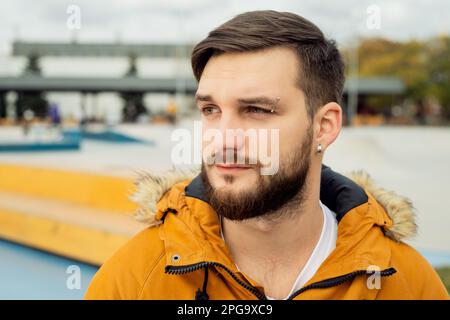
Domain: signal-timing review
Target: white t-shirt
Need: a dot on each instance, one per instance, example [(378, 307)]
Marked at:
[(323, 248)]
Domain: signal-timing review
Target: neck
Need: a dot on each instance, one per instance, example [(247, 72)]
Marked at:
[(293, 233)]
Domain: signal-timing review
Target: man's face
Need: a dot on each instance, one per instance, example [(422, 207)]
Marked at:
[(226, 89)]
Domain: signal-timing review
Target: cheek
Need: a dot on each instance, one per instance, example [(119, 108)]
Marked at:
[(291, 136)]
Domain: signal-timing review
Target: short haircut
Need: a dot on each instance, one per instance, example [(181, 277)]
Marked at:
[(321, 73)]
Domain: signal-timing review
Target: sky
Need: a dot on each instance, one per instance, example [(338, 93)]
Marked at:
[(191, 20)]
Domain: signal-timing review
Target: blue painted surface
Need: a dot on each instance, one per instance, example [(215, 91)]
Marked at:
[(109, 135), (71, 141), (27, 273)]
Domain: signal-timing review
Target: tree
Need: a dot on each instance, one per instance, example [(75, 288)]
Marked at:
[(438, 74), (424, 66)]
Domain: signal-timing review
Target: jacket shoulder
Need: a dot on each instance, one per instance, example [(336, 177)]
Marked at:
[(416, 278), (123, 276)]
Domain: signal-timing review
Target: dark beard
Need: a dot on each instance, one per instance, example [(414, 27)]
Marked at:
[(284, 190)]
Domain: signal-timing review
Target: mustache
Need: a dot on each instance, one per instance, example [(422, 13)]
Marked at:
[(230, 157)]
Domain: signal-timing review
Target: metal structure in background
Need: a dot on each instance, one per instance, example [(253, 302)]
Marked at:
[(75, 49), (31, 85)]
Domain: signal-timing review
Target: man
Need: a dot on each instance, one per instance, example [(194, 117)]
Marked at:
[(303, 232)]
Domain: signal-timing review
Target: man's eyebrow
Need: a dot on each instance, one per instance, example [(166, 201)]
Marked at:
[(259, 100), (203, 97), (264, 100)]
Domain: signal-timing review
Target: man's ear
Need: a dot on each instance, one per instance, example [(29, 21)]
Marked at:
[(327, 124)]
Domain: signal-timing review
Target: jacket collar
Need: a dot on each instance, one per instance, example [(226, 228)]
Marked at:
[(337, 192)]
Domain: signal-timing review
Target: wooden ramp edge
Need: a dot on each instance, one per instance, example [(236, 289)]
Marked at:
[(40, 208), (92, 190)]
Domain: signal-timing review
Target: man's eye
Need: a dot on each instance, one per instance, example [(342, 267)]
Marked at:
[(253, 109), (209, 110)]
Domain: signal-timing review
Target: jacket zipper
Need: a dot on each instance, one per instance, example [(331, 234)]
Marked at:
[(197, 266), (328, 283)]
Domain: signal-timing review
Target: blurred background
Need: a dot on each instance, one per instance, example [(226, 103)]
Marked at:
[(90, 92)]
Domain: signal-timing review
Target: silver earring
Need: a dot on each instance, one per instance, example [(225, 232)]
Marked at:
[(319, 148)]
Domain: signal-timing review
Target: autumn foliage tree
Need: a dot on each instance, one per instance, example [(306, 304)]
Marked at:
[(424, 66)]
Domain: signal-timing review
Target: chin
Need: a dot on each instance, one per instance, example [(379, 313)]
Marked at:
[(233, 181)]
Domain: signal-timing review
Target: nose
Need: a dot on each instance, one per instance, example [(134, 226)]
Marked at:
[(232, 133)]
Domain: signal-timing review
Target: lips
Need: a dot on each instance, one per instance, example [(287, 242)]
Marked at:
[(232, 167)]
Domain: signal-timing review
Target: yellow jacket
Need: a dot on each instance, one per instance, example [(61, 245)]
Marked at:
[(181, 255)]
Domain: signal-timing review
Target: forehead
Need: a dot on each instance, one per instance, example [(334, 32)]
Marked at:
[(273, 70)]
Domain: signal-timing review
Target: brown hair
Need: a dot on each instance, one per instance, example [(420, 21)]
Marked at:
[(321, 74)]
